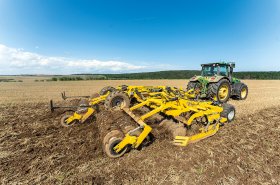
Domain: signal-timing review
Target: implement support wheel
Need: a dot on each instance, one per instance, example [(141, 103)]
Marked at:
[(63, 120), (106, 89), (228, 112), (116, 99), (111, 140)]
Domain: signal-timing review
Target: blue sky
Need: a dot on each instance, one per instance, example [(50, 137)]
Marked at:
[(83, 36)]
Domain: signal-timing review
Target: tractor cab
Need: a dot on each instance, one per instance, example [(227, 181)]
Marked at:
[(218, 69), (212, 69)]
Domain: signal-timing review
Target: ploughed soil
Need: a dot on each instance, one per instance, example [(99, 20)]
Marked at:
[(36, 149)]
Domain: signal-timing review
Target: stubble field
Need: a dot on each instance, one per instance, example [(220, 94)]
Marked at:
[(36, 149)]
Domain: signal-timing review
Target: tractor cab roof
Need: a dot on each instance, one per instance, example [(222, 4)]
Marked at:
[(231, 64)]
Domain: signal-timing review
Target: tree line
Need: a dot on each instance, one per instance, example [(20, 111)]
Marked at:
[(179, 74), (186, 74)]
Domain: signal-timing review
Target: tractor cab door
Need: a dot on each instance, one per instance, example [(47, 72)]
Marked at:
[(224, 70), (230, 69)]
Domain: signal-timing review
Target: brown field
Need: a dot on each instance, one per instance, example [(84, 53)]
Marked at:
[(36, 149)]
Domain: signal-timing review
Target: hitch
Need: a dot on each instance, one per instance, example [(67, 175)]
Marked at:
[(58, 107)]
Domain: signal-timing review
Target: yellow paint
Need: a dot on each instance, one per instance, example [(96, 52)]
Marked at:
[(223, 92), (243, 92)]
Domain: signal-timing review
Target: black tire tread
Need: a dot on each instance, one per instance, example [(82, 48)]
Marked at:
[(227, 108), (213, 89), (238, 96), (191, 85)]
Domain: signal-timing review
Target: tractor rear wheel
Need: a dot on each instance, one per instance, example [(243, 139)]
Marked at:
[(220, 91), (241, 91), (228, 112), (116, 99), (192, 85)]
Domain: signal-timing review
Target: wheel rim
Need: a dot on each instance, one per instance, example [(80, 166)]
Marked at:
[(231, 115), (117, 102), (243, 92), (223, 92), (109, 148), (64, 121)]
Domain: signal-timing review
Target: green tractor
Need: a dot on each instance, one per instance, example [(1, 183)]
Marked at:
[(216, 82)]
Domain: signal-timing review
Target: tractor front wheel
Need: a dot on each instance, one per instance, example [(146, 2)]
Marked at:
[(220, 91)]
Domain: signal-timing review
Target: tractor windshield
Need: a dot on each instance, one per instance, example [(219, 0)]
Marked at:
[(209, 70)]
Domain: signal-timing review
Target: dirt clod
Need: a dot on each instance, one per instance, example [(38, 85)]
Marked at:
[(35, 148)]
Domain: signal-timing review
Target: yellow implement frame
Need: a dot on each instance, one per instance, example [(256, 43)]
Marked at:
[(140, 93), (174, 108)]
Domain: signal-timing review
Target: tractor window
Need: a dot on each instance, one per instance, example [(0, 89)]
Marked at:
[(223, 70), (209, 70)]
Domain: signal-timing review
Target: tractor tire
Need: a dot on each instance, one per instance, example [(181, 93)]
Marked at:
[(220, 91), (115, 100), (107, 89), (241, 91), (192, 85), (228, 112)]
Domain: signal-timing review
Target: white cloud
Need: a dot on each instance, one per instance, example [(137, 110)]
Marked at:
[(18, 61)]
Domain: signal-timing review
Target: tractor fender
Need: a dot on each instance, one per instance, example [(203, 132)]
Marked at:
[(195, 78), (215, 79)]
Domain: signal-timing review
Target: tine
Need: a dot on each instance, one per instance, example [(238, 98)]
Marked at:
[(179, 144), (63, 95), (51, 106), (181, 140)]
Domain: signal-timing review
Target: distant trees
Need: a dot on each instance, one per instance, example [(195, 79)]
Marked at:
[(180, 74), (186, 74)]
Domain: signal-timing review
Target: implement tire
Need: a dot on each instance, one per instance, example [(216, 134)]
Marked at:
[(106, 89), (228, 112), (115, 100), (64, 118)]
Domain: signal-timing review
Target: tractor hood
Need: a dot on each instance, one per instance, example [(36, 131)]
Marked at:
[(208, 78)]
